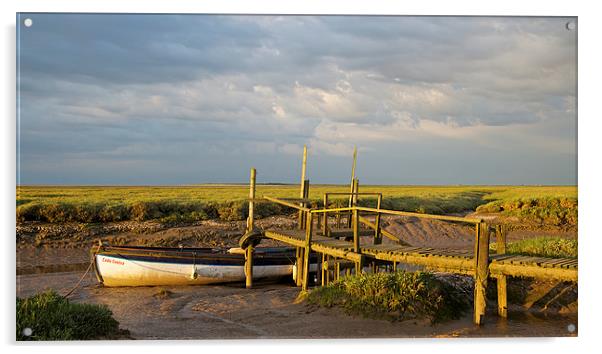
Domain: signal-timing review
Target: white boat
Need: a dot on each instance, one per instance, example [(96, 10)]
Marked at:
[(150, 266)]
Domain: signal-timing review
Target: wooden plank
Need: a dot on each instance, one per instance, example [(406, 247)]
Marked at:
[(554, 262), (565, 263), (285, 203), (533, 271), (500, 258), (420, 215)]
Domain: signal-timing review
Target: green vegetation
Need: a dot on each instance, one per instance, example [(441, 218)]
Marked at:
[(228, 202), (52, 317), (548, 205), (394, 296), (551, 247)]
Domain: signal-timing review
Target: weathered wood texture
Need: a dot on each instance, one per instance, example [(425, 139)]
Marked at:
[(250, 225), (481, 259), (502, 286)]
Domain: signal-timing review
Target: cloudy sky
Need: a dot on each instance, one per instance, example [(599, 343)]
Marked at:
[(176, 99)]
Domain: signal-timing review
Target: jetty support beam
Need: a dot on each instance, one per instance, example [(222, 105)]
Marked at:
[(307, 251), (502, 294), (356, 239), (378, 238), (481, 259), (304, 183)]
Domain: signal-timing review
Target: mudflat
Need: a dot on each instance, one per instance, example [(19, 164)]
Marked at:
[(269, 310)]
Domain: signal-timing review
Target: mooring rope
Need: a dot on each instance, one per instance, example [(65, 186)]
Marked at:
[(85, 273)]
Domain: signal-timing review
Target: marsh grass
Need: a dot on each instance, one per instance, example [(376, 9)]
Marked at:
[(550, 247), (393, 296), (546, 205), (52, 317), (195, 203), (176, 204)]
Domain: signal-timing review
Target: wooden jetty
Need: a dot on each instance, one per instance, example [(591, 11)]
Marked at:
[(341, 248)]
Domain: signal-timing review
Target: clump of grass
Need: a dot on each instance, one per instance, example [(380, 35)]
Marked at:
[(393, 296), (550, 247), (163, 294), (52, 317)]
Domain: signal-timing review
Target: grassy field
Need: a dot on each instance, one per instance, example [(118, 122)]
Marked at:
[(554, 247), (550, 205), (557, 205)]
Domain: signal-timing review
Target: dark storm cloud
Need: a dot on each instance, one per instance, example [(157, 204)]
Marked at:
[(121, 95)]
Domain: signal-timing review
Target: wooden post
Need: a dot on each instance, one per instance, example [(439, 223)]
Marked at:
[(353, 196), (500, 239), (378, 239), (352, 186), (352, 174), (308, 232), (250, 218), (249, 266), (303, 185), (250, 225), (299, 278), (325, 216), (356, 189), (502, 294), (481, 257), (356, 238)]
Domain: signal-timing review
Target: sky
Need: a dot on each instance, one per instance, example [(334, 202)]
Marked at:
[(181, 99)]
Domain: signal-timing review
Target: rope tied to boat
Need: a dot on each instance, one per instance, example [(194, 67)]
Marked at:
[(86, 272)]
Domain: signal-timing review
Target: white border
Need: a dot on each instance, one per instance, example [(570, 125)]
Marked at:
[(590, 197)]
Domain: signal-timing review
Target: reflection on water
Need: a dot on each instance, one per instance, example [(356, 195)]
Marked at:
[(520, 323), (52, 268)]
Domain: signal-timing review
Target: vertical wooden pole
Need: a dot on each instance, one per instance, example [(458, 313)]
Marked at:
[(303, 185), (325, 216), (250, 218), (481, 271), (502, 294), (250, 226), (377, 236), (356, 238), (356, 189), (352, 186), (353, 196), (352, 174), (308, 232), (500, 239), (249, 266)]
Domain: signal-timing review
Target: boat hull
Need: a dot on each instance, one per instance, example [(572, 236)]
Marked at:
[(138, 266)]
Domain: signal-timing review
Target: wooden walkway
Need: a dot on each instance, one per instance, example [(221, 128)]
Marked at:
[(452, 260), (344, 248)]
